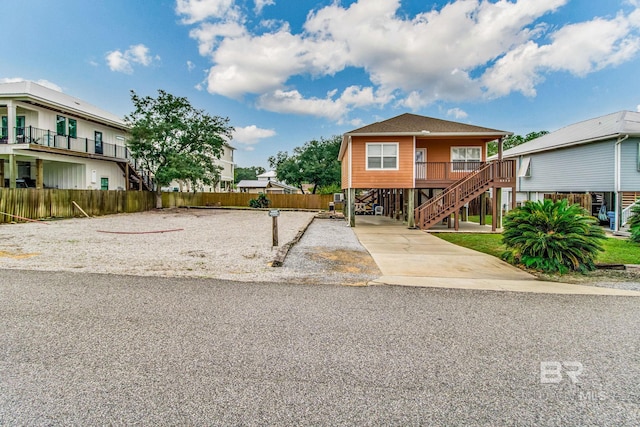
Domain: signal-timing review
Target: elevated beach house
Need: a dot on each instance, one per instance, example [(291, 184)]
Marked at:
[(421, 170)]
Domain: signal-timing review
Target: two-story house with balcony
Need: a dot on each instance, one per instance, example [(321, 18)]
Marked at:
[(49, 139), (420, 169)]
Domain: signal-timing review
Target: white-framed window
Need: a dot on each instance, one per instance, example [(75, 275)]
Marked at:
[(382, 155), (525, 168), (465, 159)]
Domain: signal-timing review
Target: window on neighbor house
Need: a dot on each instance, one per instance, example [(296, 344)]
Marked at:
[(465, 159), (61, 125), (5, 127), (73, 128), (525, 168), (382, 155)]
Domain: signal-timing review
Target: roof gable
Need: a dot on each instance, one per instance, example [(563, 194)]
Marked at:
[(604, 127), (413, 123)]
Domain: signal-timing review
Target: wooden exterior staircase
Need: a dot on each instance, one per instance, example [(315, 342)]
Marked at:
[(495, 174), (136, 176)]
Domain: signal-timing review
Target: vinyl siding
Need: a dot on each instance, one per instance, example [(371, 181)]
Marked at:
[(629, 175), (588, 167)]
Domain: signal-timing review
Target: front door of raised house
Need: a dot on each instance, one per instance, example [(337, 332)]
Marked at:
[(421, 163)]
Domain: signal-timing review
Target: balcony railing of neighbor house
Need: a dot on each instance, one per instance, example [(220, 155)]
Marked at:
[(627, 213), (48, 138)]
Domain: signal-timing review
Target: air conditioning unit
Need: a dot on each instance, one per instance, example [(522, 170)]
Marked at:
[(338, 197)]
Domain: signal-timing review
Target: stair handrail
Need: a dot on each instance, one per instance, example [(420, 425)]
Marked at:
[(627, 213), (441, 205)]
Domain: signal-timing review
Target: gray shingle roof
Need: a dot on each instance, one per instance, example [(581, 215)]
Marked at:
[(599, 128)]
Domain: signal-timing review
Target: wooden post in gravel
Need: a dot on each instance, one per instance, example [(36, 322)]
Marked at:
[(274, 213)]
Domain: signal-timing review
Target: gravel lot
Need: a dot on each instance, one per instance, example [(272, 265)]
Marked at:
[(210, 243)]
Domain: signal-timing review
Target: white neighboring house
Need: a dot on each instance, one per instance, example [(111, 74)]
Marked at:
[(266, 183), (50, 139), (226, 175)]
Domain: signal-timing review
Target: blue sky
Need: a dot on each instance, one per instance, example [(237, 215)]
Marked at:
[(286, 72)]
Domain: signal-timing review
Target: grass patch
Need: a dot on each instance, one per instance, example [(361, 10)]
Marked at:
[(619, 251), (482, 242), (476, 219), (616, 251)]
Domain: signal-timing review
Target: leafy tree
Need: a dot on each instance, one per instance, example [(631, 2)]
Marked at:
[(552, 236), (634, 224), (175, 141), (250, 173), (514, 141), (316, 162)]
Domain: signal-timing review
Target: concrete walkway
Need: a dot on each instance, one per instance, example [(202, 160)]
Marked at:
[(416, 258)]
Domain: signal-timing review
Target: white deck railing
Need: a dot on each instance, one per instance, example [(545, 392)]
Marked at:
[(626, 214)]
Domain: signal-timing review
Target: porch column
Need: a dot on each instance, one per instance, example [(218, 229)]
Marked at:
[(1, 173), (127, 184), (11, 124), (411, 199), (398, 206), (483, 208), (13, 171), (456, 219), (513, 197), (351, 206), (39, 173), (496, 218)]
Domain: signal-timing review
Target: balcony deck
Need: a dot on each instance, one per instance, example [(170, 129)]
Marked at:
[(443, 174)]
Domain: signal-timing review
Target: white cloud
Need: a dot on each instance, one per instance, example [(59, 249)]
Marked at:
[(246, 137), (294, 102), (199, 10), (457, 113), (137, 54), (465, 50), (260, 4), (41, 82), (190, 66), (638, 108)]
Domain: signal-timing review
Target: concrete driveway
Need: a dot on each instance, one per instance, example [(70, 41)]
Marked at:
[(415, 258)]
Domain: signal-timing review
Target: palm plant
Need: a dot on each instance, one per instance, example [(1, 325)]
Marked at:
[(552, 236), (634, 223)]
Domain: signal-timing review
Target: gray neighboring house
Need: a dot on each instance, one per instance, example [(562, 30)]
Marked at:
[(266, 183), (600, 156)]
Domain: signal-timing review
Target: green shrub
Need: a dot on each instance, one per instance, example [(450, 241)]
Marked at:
[(552, 237), (260, 202), (634, 224)]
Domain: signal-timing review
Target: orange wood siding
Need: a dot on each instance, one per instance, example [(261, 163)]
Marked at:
[(401, 178), (345, 170), (439, 150)]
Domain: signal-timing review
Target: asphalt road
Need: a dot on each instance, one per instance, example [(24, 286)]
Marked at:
[(84, 349)]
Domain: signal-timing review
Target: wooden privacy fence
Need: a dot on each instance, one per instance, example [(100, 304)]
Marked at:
[(277, 201), (583, 200), (47, 203)]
